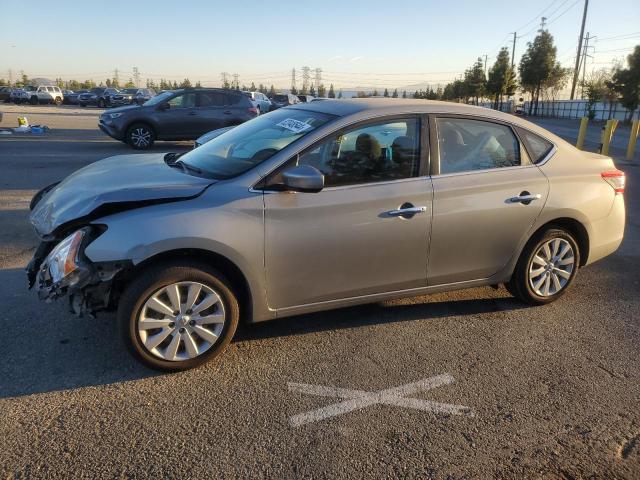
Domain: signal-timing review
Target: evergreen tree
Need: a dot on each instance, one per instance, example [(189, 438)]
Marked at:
[(253, 87), (475, 80), (322, 90), (198, 84), (375, 93), (272, 91), (340, 94), (395, 93), (294, 90), (386, 92), (312, 90), (537, 66), (129, 84), (404, 94), (331, 93), (626, 82)]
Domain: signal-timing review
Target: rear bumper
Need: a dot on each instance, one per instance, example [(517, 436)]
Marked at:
[(607, 233)]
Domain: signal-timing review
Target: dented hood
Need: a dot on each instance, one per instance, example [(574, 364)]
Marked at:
[(114, 184)]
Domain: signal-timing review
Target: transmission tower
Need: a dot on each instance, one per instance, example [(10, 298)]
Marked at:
[(306, 78), (136, 76), (116, 78), (224, 77), (236, 81), (318, 73), (293, 79)]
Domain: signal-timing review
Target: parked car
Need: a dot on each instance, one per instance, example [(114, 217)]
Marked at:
[(144, 94), (261, 101), (5, 94), (210, 136), (306, 98), (98, 96), (320, 206), (38, 94), (177, 115), (283, 100), (71, 97), (126, 96)]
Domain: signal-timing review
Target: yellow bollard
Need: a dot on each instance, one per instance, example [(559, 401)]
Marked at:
[(582, 132), (633, 138), (609, 129)]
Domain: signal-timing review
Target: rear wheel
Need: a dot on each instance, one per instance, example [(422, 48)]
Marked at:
[(140, 136), (546, 268), (58, 101), (179, 315)]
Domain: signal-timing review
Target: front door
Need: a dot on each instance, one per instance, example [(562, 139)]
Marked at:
[(366, 232), (180, 120), (486, 198)]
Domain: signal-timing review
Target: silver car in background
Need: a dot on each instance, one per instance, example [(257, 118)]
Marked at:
[(318, 206)]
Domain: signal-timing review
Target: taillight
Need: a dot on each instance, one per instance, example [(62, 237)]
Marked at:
[(615, 178), (253, 110)]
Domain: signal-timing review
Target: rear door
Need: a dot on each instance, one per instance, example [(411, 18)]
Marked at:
[(210, 114), (487, 195), (366, 232)]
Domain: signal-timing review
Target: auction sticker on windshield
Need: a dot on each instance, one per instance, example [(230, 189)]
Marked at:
[(296, 126)]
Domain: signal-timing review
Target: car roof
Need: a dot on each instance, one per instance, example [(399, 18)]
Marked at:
[(399, 106)]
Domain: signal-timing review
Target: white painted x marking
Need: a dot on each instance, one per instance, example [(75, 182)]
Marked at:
[(357, 399)]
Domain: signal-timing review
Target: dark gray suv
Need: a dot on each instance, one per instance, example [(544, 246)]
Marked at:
[(177, 115)]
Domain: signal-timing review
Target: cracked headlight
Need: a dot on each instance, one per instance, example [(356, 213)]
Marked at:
[(62, 261)]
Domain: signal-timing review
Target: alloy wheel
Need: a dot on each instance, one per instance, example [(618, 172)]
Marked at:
[(141, 137), (181, 321), (551, 267)]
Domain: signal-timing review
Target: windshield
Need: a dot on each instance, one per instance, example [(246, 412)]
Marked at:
[(247, 145), (158, 99)]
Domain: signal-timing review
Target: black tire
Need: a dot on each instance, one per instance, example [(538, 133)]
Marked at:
[(101, 103), (33, 100), (150, 281), (136, 135), (82, 104), (58, 101), (520, 285)]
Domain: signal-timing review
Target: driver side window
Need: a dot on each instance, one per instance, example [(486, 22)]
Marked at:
[(187, 100), (376, 152), (467, 145)]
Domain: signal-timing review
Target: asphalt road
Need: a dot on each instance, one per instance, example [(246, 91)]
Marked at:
[(550, 392)]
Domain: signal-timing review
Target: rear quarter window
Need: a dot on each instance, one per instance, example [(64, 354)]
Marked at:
[(537, 147)]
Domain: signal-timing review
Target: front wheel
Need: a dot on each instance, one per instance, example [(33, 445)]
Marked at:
[(140, 136), (547, 267), (177, 316)]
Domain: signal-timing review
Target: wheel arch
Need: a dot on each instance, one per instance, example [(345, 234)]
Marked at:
[(573, 226), (224, 265)]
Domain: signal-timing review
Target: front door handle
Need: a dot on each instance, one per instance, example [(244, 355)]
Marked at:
[(406, 210), (525, 198)]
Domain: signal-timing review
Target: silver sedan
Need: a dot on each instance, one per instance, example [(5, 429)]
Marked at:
[(318, 206)]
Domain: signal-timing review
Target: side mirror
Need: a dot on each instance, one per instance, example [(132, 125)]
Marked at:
[(303, 178), (165, 106)]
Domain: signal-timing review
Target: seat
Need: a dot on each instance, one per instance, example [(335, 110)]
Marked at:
[(404, 157)]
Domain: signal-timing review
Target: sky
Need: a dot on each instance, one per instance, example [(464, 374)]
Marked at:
[(379, 44)]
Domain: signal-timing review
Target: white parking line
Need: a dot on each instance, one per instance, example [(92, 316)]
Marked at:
[(357, 399)]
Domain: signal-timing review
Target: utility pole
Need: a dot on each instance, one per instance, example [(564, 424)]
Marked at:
[(10, 77), (293, 78), (513, 49), (485, 64), (584, 61), (136, 76), (116, 78), (543, 20), (318, 77), (576, 71)]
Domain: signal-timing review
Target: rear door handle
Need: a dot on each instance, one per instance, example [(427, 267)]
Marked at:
[(525, 198)]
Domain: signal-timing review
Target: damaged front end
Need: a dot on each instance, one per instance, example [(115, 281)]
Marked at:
[(61, 269)]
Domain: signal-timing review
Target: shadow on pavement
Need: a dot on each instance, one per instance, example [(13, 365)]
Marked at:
[(373, 314)]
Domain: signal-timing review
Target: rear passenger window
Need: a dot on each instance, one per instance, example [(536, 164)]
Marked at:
[(537, 147), (212, 99), (467, 145)]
